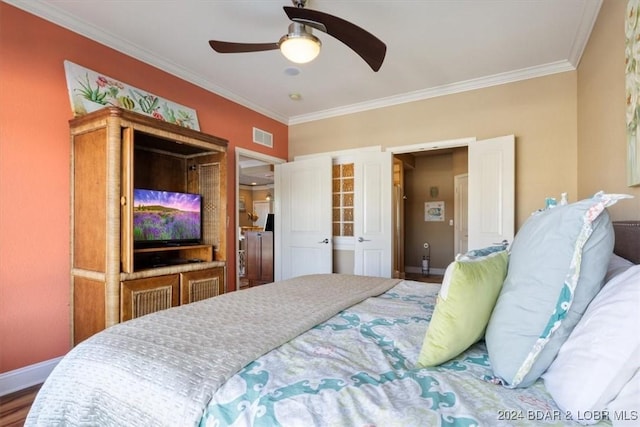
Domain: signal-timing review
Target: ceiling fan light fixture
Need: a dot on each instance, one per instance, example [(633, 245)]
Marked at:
[(299, 46)]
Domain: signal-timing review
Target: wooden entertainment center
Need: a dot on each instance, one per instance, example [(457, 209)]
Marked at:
[(114, 151)]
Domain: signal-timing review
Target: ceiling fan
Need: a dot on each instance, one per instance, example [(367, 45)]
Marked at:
[(300, 45)]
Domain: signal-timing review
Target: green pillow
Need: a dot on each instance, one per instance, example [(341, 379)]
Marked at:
[(469, 292)]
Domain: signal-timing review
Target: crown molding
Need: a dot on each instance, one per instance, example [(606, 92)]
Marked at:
[(587, 22), (419, 95)]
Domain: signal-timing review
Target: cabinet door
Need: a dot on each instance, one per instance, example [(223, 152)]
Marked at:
[(144, 296), (259, 257), (126, 202), (88, 308), (252, 255), (201, 284), (266, 257)]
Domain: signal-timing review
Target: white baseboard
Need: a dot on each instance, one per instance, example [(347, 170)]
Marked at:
[(28, 376)]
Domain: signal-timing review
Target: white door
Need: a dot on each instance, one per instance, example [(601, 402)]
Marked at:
[(491, 191), (373, 213), (461, 214), (303, 217)]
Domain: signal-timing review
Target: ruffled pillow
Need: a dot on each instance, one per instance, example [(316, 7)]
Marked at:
[(557, 264)]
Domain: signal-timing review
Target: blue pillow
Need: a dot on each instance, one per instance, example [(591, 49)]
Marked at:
[(557, 265)]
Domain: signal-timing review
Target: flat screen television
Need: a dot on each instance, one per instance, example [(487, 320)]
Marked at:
[(166, 218)]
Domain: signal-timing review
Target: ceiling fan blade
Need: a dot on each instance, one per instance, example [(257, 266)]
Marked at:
[(365, 44), (231, 47)]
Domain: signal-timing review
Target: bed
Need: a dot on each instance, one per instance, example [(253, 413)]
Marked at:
[(325, 350)]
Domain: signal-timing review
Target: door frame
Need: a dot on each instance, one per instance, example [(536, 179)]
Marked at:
[(433, 146), (461, 142), (461, 210), (430, 146), (243, 152)]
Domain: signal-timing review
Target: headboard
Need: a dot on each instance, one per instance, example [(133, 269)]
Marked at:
[(627, 240)]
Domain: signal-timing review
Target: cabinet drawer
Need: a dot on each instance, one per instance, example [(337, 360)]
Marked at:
[(201, 284), (144, 296)]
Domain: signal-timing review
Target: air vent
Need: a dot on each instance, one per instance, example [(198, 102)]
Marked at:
[(262, 137)]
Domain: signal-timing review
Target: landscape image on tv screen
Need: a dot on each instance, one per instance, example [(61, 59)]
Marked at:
[(165, 216)]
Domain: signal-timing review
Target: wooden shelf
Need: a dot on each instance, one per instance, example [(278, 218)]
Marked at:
[(188, 248), (147, 258)]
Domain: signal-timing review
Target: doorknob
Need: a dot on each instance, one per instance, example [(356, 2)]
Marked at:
[(505, 242), (361, 239), (324, 241)]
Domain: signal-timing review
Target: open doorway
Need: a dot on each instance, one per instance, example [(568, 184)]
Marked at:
[(428, 206), (255, 200), (430, 201)]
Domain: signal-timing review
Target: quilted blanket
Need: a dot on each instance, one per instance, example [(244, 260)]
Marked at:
[(163, 368), (359, 369)]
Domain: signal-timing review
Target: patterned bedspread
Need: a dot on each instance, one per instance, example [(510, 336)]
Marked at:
[(357, 369)]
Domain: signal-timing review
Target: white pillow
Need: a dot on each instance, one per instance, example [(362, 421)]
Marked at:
[(617, 265), (625, 409), (603, 351)]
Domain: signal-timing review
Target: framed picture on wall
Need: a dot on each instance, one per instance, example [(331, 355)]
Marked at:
[(632, 61), (242, 204), (434, 211), (90, 91)]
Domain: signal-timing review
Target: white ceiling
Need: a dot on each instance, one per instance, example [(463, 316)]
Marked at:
[(255, 172), (434, 47)]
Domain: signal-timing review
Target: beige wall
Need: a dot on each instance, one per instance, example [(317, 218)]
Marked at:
[(250, 196), (601, 113), (429, 171), (540, 112), (247, 195)]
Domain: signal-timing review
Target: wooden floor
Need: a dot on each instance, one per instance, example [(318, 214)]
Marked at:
[(14, 407)]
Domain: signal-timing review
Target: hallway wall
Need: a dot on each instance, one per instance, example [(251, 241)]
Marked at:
[(431, 171)]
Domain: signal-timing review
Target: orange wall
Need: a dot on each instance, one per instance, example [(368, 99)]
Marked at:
[(34, 171)]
